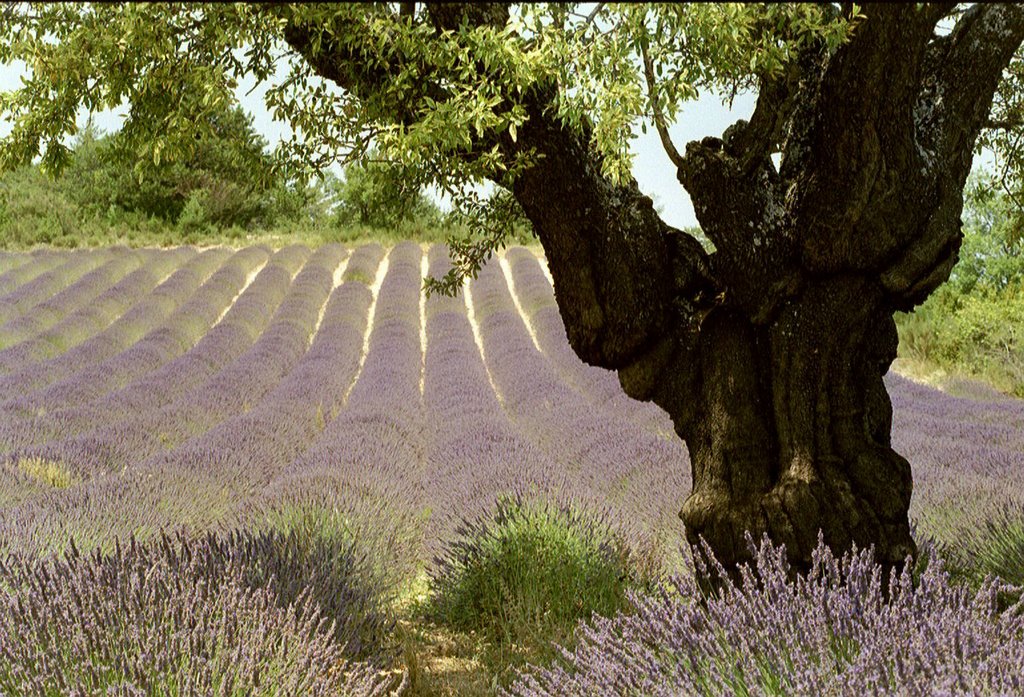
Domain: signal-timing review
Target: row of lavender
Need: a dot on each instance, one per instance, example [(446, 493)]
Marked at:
[(96, 408)]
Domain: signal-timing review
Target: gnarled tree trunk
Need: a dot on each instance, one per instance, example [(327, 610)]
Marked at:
[(769, 352)]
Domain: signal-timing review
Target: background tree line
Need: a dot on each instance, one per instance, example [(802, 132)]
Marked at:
[(228, 190)]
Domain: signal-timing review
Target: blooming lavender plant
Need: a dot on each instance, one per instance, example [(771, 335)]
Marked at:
[(174, 617), (830, 632), (599, 385), (369, 459), (12, 261), (140, 434), (180, 331), (639, 474), (476, 453)]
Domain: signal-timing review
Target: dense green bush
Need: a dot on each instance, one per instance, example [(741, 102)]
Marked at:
[(379, 196), (525, 576), (974, 324), (34, 212), (226, 189), (229, 172)]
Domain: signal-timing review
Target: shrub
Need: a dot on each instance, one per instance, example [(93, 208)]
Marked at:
[(172, 617), (972, 324), (830, 632), (34, 212), (526, 575), (308, 548), (228, 167), (379, 196), (994, 547)]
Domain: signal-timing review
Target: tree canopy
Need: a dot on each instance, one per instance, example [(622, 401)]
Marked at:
[(441, 97)]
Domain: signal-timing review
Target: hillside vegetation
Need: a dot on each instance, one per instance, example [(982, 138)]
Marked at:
[(973, 326), (229, 193)]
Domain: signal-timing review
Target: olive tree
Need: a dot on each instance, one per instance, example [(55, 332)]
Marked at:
[(768, 352)]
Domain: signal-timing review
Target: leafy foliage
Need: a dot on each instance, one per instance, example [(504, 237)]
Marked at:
[(227, 170), (973, 323), (437, 104), (379, 196), (526, 575)]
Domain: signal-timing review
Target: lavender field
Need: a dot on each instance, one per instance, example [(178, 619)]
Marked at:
[(221, 472)]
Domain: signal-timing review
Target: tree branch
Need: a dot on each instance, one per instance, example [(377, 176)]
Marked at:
[(659, 117), (625, 281), (593, 14), (933, 12), (961, 77), (1004, 124), (752, 143), (981, 45)]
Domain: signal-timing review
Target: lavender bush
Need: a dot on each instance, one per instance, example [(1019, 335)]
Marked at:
[(599, 385), (172, 618), (181, 330), (17, 267), (135, 435), (641, 476), (23, 298), (831, 632), (476, 452), (369, 459)]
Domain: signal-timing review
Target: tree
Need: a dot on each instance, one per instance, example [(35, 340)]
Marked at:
[(227, 170), (379, 196), (769, 352)]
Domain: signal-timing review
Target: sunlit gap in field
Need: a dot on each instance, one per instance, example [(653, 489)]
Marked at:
[(378, 281), (248, 282), (506, 269), (336, 281), (467, 294), (424, 271)]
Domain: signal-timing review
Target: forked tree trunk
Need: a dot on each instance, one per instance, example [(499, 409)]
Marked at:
[(769, 353)]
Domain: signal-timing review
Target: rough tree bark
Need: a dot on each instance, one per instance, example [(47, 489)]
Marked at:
[(769, 353)]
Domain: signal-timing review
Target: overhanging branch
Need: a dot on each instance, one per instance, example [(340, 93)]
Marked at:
[(659, 117)]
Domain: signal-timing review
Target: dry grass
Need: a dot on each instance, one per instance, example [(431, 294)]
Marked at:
[(958, 385), (440, 662), (46, 471)]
